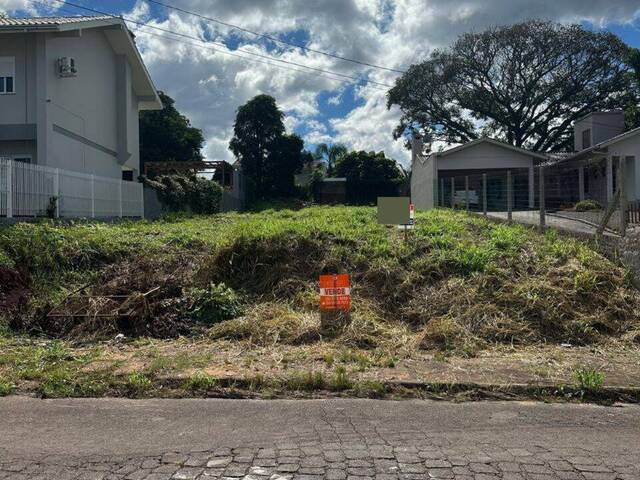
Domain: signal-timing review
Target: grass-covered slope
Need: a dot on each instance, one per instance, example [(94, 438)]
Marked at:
[(459, 282)]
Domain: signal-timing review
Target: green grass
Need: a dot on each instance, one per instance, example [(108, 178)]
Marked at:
[(200, 381), (484, 281)]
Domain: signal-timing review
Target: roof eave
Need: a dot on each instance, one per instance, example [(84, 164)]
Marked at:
[(495, 142)]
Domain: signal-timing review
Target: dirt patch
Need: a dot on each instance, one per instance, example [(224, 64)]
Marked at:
[(13, 290)]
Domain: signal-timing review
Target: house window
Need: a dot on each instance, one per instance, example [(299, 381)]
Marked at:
[(586, 138), (127, 175), (7, 75)]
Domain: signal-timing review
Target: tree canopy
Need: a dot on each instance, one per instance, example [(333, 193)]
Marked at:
[(524, 84), (269, 158), (369, 175), (330, 154), (167, 135)]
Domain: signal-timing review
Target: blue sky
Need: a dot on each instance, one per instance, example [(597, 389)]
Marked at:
[(209, 86)]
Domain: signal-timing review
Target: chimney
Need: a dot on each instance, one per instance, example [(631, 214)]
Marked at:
[(597, 127)]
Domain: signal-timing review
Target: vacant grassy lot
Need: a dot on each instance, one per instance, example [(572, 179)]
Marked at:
[(235, 295)]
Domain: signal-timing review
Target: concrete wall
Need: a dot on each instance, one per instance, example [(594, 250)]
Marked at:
[(484, 156), (602, 126), (424, 182)]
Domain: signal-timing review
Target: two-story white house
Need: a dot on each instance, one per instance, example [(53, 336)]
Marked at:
[(71, 89)]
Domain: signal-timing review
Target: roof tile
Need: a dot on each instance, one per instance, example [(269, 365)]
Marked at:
[(48, 21)]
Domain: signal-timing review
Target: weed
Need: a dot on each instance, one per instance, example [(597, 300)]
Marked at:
[(306, 381), (200, 381), (138, 383), (588, 379), (340, 380), (329, 359), (370, 389), (6, 387), (213, 304)]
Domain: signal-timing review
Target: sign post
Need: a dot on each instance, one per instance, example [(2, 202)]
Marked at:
[(335, 302)]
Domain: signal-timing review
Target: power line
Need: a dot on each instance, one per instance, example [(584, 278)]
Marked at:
[(225, 52), (275, 39), (287, 62)]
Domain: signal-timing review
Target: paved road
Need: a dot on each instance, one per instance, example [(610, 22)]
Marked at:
[(312, 439)]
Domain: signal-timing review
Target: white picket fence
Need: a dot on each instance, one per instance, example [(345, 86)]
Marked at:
[(27, 190)]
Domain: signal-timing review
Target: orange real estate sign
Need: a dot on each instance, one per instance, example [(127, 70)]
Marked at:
[(335, 292)]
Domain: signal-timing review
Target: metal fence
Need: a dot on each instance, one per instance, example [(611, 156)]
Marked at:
[(28, 190), (587, 197)]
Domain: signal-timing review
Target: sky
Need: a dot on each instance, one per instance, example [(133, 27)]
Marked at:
[(209, 82)]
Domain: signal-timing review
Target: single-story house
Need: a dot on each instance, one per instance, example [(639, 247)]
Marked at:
[(590, 172)]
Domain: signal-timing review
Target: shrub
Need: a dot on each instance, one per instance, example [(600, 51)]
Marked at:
[(213, 304), (187, 193), (587, 205)]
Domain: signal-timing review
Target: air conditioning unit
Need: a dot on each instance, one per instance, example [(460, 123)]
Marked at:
[(67, 67)]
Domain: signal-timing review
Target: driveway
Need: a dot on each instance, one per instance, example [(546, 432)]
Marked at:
[(313, 439)]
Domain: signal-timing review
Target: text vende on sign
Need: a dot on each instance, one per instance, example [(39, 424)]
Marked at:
[(335, 292)]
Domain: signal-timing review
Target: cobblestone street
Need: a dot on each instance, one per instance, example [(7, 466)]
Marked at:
[(348, 440)]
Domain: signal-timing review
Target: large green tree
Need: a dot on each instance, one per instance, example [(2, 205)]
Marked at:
[(167, 135), (269, 158), (525, 84), (369, 175), (632, 109)]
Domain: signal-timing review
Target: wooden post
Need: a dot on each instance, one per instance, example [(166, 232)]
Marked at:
[(466, 191), (442, 192), (543, 218), (622, 180), (453, 192), (484, 194), (509, 197)]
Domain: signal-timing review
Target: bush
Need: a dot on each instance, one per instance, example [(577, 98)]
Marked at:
[(187, 193), (213, 304), (587, 205)]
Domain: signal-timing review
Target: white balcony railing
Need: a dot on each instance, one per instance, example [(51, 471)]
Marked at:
[(28, 190)]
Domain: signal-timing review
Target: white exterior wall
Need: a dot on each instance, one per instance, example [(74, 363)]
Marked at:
[(484, 156), (83, 105), (629, 147), (77, 118), (19, 107)]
